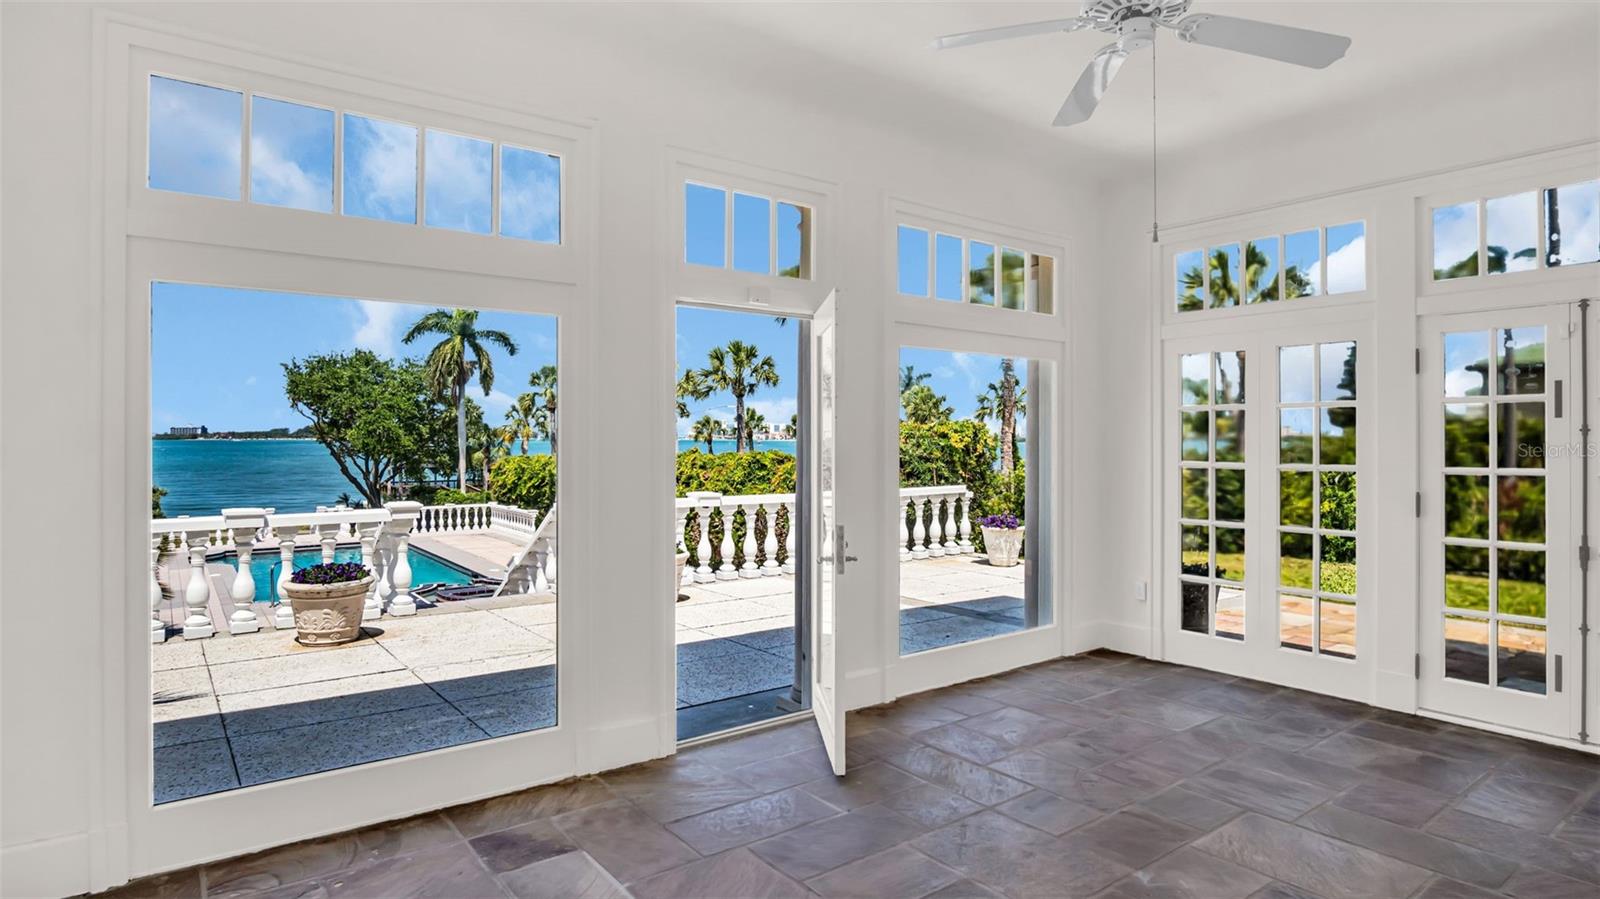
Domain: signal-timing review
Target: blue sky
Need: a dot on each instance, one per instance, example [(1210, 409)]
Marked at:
[(701, 329), (960, 377), (706, 210), (216, 352)]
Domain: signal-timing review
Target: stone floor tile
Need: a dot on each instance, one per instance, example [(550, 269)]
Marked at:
[(1069, 781), (864, 785), (745, 822), (193, 769), (1552, 766), (331, 700), (486, 677), (1190, 808), (738, 873), (449, 870), (501, 812), (1311, 861), (821, 846), (279, 754), (964, 889), (911, 717), (1519, 801), (969, 744), (1445, 888), (624, 840), (1397, 763), (669, 790), (1188, 874), (313, 665), (1536, 883), (1159, 765), (318, 858), (1264, 791), (901, 871), (1017, 728), (183, 884), (986, 786), (980, 844), (1048, 812), (512, 713), (520, 846), (734, 674), (1524, 845), (1392, 800), (573, 875), (785, 771), (1134, 838), (1140, 706), (177, 654), (1453, 860), (931, 806)]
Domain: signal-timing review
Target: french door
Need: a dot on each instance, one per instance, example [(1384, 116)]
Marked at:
[(1499, 547), (828, 537), (1264, 456)]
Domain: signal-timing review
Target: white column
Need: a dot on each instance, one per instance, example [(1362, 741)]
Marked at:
[(965, 532), (283, 616), (369, 531), (158, 631), (790, 523), (749, 568), (769, 546), (197, 594), (919, 531), (726, 571)]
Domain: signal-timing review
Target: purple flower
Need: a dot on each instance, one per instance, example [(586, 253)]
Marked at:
[(330, 573), (1005, 520)]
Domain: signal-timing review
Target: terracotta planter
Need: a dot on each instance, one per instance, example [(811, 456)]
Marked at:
[(327, 614), (680, 561), (1004, 546)]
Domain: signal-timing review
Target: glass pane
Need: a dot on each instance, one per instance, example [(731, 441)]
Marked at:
[(1261, 270), (1466, 506), (1338, 436), (1466, 435), (1519, 360), (1196, 489), (1521, 509), (1295, 428), (1190, 281), (1338, 626), (752, 234), (457, 182), (1294, 498), (1013, 278), (1466, 363), (1513, 233), (1521, 438), (1230, 378), (1230, 494), (980, 273), (1223, 265), (913, 248), (794, 241), (1230, 554), (1338, 371), (1296, 370), (1196, 607), (1337, 570), (530, 194), (1195, 385), (1302, 264), (1294, 560), (1455, 241), (1042, 284), (1466, 577), (1347, 258), (1230, 612), (1295, 621), (291, 155), (380, 170), (1572, 221), (1520, 582), (1337, 506), (1196, 436), (1466, 649), (1196, 548), (196, 138), (947, 267), (705, 221), (1230, 436), (1521, 657)]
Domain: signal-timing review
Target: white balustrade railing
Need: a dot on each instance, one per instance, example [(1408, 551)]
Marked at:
[(730, 537)]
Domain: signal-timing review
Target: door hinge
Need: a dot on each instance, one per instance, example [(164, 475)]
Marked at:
[(1419, 360), (1583, 555), (1558, 674), (1416, 671), (1559, 400), (1419, 503)]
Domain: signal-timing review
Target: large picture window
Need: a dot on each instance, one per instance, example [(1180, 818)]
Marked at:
[(1211, 479)]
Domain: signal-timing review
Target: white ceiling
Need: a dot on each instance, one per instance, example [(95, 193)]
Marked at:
[(877, 54)]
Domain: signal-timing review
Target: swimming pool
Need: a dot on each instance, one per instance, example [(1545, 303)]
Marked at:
[(426, 568)]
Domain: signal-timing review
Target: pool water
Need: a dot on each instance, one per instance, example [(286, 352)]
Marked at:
[(426, 568)]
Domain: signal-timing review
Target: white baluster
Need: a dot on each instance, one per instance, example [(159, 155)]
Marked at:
[(919, 532), (403, 603), (749, 568), (372, 610), (789, 523), (726, 571), (769, 546), (702, 550), (905, 533), (329, 537), (951, 546), (548, 564), (243, 620), (283, 616), (935, 528), (158, 631), (965, 536), (197, 594), (680, 533)]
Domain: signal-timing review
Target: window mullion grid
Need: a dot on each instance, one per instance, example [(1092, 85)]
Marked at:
[(338, 162), (495, 177), (422, 180), (247, 125)]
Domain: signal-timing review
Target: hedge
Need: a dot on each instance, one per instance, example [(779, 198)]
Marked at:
[(528, 482)]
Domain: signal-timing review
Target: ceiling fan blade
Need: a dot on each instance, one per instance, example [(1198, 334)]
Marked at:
[(1300, 46), (1006, 33), (1091, 86)]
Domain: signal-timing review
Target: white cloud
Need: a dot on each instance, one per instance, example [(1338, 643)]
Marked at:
[(280, 181), (1347, 267), (458, 182), (380, 168), (377, 330), (969, 366), (777, 412), (250, 381), (1455, 235), (496, 403)]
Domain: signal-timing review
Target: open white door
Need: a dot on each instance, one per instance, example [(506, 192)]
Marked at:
[(827, 538)]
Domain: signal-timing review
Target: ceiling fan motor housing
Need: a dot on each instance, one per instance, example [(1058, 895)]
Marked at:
[(1109, 15)]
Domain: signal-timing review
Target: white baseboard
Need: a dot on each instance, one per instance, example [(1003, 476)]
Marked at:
[(46, 868), (1133, 639)]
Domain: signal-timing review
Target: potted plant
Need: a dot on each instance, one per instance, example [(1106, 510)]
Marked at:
[(1002, 539), (327, 600)]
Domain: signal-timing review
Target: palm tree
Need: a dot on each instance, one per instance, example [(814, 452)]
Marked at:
[(543, 383), (793, 429), (740, 369), (690, 387), (520, 420), (705, 431), (923, 406), (490, 445), (753, 421), (1005, 401), (449, 367), (910, 377)]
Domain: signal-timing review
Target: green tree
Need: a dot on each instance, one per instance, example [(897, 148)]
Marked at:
[(380, 420), (544, 386), (792, 429), (753, 421), (453, 362), (741, 370), (156, 493), (910, 377), (690, 387), (527, 482), (923, 406), (1004, 401), (705, 431), (519, 419)]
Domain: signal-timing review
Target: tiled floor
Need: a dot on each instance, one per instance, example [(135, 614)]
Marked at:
[(1101, 775)]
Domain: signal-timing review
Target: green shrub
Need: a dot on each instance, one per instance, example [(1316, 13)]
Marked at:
[(449, 496), (947, 452), (528, 482), (735, 474)]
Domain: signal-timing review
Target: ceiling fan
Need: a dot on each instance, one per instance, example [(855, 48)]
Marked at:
[(1134, 22)]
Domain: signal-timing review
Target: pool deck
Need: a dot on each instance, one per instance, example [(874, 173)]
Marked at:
[(239, 710)]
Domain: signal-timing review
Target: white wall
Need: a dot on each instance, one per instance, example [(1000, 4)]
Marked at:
[(648, 83)]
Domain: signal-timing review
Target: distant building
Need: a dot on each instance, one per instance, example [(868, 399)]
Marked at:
[(188, 431)]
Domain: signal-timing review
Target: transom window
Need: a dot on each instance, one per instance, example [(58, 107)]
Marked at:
[(746, 232), (1314, 262), (1551, 228), (962, 270), (1211, 486), (295, 154)]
